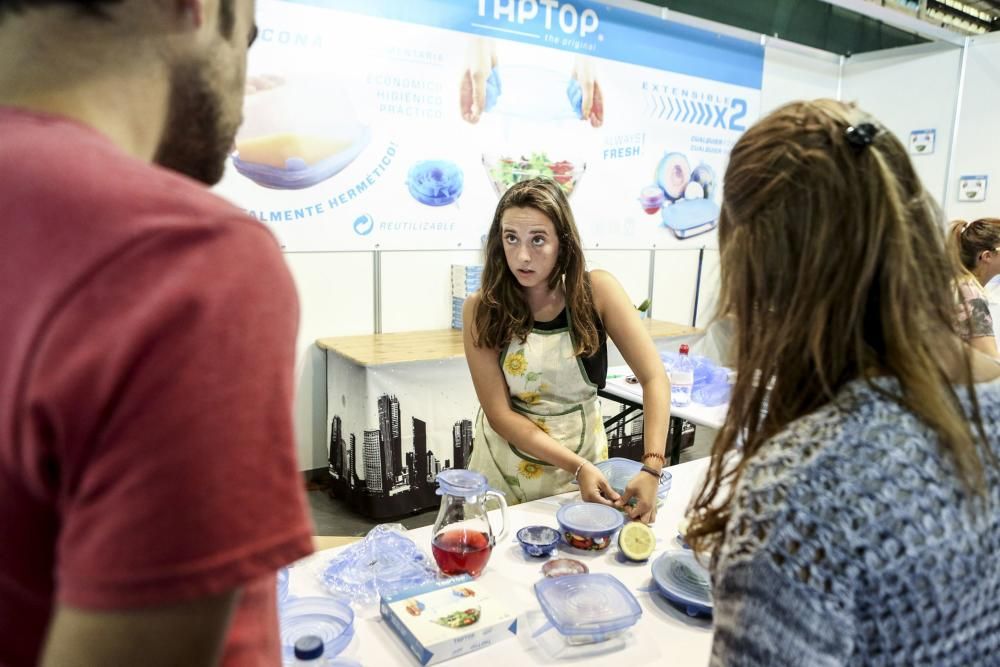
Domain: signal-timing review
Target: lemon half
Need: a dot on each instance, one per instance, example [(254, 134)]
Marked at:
[(636, 540)]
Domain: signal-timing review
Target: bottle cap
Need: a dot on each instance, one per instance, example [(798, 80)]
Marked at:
[(308, 647), (684, 348)]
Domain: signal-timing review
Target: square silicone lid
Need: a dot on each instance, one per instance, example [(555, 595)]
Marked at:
[(587, 604)]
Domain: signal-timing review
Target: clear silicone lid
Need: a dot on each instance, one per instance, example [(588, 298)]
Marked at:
[(587, 604), (327, 618), (460, 482), (619, 471), (684, 581), (589, 518)]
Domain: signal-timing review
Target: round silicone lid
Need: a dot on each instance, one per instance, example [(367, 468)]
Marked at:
[(619, 471), (563, 567), (385, 563), (682, 580), (459, 482), (539, 536), (282, 584), (435, 182), (587, 604), (589, 518), (330, 620)]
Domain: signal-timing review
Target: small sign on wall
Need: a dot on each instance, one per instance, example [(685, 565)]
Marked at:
[(922, 142), (972, 188)]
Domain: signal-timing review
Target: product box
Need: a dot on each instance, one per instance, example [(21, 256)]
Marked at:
[(448, 618)]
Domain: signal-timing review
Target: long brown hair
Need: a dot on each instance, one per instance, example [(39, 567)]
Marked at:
[(968, 240), (502, 313), (833, 267)]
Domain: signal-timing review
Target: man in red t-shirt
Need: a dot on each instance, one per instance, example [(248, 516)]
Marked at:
[(148, 483)]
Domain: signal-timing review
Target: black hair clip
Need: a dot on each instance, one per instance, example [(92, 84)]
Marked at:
[(860, 136)]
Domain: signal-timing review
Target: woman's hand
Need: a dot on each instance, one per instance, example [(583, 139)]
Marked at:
[(642, 488), (594, 487)]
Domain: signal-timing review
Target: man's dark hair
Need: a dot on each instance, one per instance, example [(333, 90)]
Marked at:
[(97, 9), (94, 8)]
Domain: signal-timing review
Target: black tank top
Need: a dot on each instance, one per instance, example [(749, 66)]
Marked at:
[(596, 365)]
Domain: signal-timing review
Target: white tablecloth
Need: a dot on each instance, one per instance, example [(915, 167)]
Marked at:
[(663, 636), (697, 414)]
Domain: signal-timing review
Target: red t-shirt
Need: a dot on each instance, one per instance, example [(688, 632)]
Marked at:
[(147, 333)]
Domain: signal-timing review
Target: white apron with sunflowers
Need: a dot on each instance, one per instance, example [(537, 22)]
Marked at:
[(548, 385)]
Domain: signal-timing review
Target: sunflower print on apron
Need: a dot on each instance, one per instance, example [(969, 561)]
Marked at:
[(549, 385)]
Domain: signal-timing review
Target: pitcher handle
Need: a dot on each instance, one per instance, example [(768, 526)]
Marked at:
[(503, 514)]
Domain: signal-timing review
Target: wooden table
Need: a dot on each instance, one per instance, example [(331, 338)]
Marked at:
[(410, 346), (399, 410)]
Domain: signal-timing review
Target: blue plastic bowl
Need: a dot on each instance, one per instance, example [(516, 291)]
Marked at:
[(538, 541)]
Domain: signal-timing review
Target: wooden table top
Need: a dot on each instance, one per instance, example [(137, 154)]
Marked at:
[(407, 346)]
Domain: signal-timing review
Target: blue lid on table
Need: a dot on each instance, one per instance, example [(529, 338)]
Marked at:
[(684, 581), (282, 584), (459, 482), (592, 605), (328, 619)]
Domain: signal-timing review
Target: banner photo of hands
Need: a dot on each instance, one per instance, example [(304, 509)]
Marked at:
[(398, 125)]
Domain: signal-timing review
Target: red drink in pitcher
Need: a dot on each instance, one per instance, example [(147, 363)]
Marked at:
[(461, 551)]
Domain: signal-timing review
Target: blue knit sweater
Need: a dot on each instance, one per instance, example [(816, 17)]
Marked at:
[(852, 542)]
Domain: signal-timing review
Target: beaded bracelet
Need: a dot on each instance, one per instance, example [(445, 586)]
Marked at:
[(655, 455), (576, 475)]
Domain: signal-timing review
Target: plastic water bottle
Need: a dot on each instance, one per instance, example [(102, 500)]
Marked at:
[(681, 379), (309, 651)]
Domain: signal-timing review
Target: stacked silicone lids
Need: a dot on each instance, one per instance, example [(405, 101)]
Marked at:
[(587, 606), (329, 619), (682, 580)]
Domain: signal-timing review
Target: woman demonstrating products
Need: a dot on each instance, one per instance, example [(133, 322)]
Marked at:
[(535, 341), (975, 247)]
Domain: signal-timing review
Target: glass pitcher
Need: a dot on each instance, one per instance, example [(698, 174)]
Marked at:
[(463, 537)]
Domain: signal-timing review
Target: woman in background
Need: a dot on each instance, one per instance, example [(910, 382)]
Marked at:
[(536, 344), (975, 249), (857, 521)]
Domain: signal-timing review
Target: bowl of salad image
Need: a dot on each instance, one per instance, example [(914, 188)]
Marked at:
[(506, 169)]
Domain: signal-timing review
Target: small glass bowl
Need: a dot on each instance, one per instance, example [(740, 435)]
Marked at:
[(538, 541)]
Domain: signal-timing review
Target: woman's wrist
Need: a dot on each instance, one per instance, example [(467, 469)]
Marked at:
[(654, 460), (576, 473)]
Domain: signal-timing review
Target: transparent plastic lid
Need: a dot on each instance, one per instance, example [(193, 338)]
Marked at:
[(459, 482), (589, 518), (282, 585), (384, 562), (331, 620), (587, 604), (619, 471), (682, 580)]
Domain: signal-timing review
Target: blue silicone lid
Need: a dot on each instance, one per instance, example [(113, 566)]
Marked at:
[(589, 518), (688, 213), (435, 182), (282, 585), (682, 580), (587, 604), (297, 173), (460, 482), (619, 471), (329, 619)]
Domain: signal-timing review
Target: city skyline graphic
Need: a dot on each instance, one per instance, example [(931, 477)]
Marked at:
[(393, 482)]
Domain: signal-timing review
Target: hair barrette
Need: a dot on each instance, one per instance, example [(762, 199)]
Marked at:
[(860, 136)]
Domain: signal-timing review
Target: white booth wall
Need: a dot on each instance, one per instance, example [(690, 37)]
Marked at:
[(337, 290), (977, 148), (910, 88)]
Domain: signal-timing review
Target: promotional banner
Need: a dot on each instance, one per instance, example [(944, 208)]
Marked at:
[(397, 125)]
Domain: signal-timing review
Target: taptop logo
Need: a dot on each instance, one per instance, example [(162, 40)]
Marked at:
[(552, 12)]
